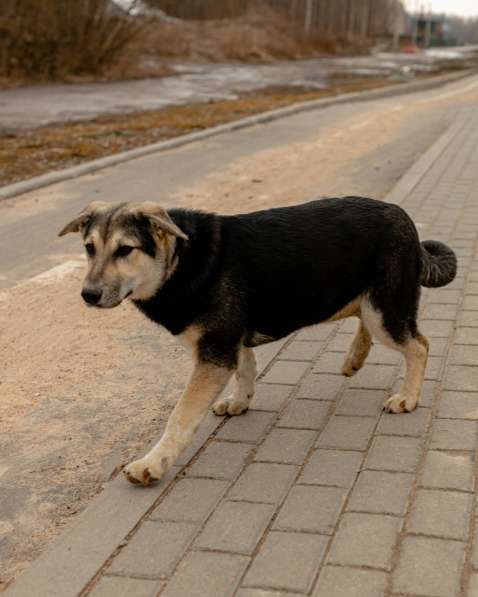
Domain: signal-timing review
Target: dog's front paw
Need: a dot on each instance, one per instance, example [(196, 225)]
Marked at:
[(400, 404), (142, 472), (231, 406)]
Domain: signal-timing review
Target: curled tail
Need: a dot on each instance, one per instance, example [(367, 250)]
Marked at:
[(438, 264)]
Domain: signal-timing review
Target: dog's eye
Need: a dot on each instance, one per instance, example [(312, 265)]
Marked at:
[(90, 249), (123, 251)]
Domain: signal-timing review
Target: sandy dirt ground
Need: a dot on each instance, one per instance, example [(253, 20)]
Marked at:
[(83, 391)]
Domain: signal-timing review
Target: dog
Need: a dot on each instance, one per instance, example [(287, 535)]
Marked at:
[(225, 284)]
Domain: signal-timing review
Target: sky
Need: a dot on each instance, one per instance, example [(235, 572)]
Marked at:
[(466, 8)]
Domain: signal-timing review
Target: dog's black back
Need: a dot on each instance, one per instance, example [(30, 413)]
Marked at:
[(262, 275)]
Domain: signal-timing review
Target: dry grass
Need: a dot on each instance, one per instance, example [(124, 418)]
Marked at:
[(82, 41), (34, 152), (261, 35), (42, 40)]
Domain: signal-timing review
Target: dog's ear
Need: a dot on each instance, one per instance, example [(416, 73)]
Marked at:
[(82, 219), (160, 219)]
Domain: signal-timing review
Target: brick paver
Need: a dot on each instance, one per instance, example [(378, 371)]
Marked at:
[(316, 491)]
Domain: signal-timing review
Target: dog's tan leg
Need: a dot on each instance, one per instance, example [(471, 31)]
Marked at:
[(206, 383), (244, 389), (358, 351), (416, 353)]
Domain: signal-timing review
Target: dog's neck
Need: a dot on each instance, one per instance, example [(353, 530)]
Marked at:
[(193, 265)]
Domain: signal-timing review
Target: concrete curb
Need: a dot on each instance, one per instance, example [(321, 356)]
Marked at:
[(44, 180)]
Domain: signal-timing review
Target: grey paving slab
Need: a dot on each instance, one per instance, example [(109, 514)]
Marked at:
[(413, 424), (220, 460), (429, 567), (466, 335), (448, 470), (311, 509), (235, 527), (286, 372), (461, 354), (381, 493), (381, 355), (448, 434), (190, 500), (321, 386), (338, 581), (374, 377), (361, 403), (440, 513), (329, 362), (263, 593), (264, 482), (305, 414), (118, 586), (248, 427), (302, 350), (458, 377), (429, 393), (206, 573), (288, 446), (336, 468), (348, 433), (287, 561), (399, 454), (433, 328), (458, 405), (317, 332), (473, 586), (352, 546), (438, 347), (154, 549), (270, 397)]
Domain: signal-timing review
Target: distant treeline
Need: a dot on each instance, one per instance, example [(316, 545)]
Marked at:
[(344, 18)]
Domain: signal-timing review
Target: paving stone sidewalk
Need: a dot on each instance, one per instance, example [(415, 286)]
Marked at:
[(316, 491)]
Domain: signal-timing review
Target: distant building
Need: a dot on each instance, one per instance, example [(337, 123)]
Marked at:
[(430, 30)]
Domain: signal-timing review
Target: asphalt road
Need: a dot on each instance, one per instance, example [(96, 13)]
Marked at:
[(83, 391)]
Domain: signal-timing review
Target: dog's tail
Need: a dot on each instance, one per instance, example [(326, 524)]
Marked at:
[(438, 264)]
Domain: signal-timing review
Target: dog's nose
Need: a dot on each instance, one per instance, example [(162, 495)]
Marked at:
[(91, 296)]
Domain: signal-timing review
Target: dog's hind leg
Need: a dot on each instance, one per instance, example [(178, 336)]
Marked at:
[(358, 351), (240, 399), (411, 344), (206, 383), (415, 351)]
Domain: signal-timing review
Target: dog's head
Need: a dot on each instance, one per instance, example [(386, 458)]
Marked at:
[(130, 249)]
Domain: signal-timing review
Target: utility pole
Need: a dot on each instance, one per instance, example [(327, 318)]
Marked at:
[(308, 16), (428, 26), (396, 25)]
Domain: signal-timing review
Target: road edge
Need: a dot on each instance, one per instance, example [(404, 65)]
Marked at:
[(44, 180)]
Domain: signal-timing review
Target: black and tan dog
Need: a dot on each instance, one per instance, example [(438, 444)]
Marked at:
[(224, 284)]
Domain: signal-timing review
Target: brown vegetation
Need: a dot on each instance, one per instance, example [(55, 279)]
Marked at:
[(352, 19), (47, 39), (34, 152), (261, 35)]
